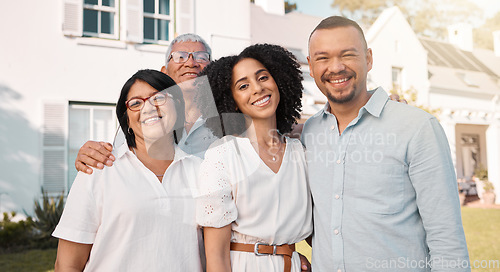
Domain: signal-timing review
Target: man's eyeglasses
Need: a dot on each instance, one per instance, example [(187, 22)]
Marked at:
[(137, 103), (182, 56)]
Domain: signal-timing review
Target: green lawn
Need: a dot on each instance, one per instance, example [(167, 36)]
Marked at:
[(482, 227), (482, 231), (30, 261)]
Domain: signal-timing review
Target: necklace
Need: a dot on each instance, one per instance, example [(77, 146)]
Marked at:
[(133, 150), (274, 155)]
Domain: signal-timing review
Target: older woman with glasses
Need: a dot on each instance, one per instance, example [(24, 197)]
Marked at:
[(139, 214)]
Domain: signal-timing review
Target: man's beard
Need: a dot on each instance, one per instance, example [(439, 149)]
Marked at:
[(342, 100), (349, 97)]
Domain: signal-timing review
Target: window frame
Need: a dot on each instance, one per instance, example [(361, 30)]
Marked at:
[(157, 16), (397, 83), (100, 8), (91, 107)]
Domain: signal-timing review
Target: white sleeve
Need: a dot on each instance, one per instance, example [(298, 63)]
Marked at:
[(215, 205), (81, 216)]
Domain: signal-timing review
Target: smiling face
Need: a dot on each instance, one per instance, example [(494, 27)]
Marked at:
[(181, 72), (254, 89), (339, 63), (151, 122)]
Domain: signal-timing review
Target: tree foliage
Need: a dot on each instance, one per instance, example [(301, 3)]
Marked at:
[(427, 17), (483, 36), (290, 7)]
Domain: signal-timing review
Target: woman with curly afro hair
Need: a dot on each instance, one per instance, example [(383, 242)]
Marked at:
[(254, 200)]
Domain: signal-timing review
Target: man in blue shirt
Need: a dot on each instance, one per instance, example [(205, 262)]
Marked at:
[(382, 179)]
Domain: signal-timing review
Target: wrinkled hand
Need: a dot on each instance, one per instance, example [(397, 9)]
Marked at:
[(304, 263), (95, 154)]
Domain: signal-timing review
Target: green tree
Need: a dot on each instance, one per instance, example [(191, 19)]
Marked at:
[(427, 17), (290, 7), (364, 11), (483, 35)]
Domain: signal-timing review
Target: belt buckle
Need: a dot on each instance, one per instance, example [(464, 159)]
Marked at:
[(256, 249)]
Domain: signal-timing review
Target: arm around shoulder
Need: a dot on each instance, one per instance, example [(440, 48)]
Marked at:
[(95, 154)]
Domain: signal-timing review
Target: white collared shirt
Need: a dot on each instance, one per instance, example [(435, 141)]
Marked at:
[(134, 222)]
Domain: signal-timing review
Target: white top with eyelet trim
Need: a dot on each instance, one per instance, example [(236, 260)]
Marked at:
[(236, 187)]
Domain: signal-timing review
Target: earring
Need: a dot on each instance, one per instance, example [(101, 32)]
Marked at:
[(130, 131)]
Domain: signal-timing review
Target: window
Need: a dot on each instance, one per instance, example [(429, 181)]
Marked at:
[(157, 26), (134, 21), (100, 18), (396, 78), (88, 121)]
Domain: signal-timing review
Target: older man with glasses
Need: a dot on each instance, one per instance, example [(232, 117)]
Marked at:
[(186, 56)]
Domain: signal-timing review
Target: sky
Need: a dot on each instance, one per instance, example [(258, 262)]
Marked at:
[(322, 8)]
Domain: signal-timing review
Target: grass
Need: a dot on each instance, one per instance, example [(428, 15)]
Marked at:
[(481, 228), (35, 260), (481, 231)]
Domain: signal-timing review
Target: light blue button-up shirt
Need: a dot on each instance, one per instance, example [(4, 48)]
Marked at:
[(197, 141), (384, 191)]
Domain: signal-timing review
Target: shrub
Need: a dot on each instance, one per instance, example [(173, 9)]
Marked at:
[(481, 172), (29, 233), (48, 213), (488, 186), (15, 235)]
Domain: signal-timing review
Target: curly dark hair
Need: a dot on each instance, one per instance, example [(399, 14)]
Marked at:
[(160, 82), (283, 67)]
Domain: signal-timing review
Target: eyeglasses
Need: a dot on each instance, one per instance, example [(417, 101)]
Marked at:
[(182, 56), (137, 103)]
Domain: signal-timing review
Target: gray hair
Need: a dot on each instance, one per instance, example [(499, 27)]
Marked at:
[(188, 37)]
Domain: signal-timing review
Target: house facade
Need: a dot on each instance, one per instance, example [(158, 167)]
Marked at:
[(460, 82)]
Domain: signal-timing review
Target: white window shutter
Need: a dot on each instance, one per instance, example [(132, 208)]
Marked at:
[(54, 147), (185, 16), (73, 17), (134, 21)]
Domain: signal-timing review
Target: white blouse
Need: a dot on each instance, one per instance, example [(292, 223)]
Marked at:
[(134, 222), (236, 187)]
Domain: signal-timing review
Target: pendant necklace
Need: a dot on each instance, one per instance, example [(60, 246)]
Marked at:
[(274, 155)]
